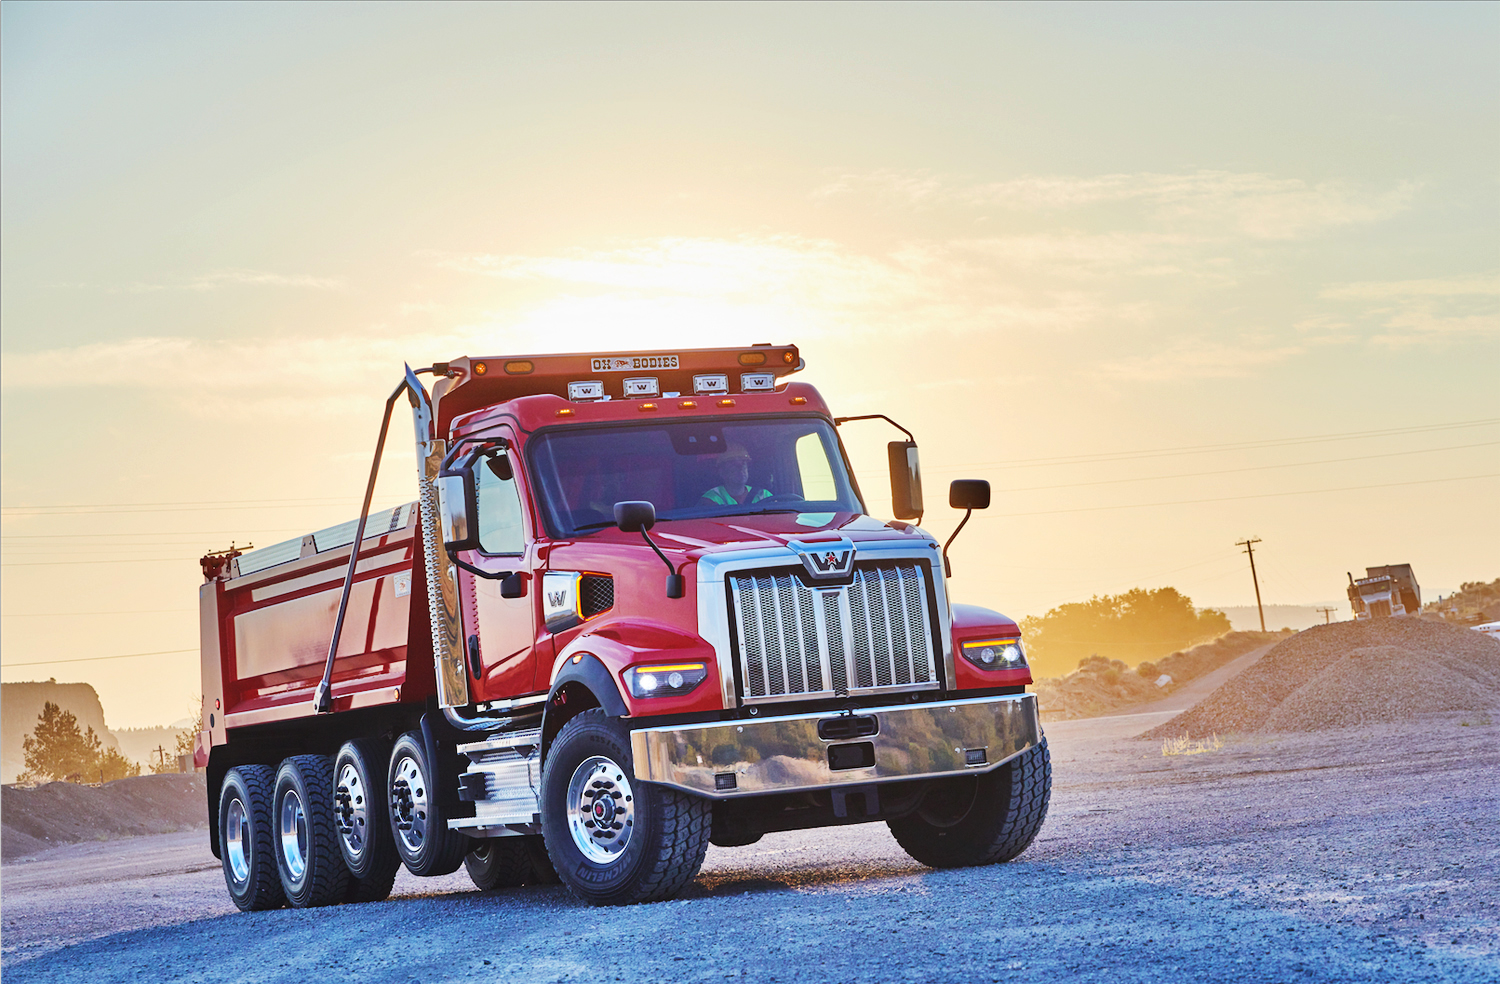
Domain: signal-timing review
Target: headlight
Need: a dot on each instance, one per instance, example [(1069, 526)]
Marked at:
[(665, 681), (995, 654)]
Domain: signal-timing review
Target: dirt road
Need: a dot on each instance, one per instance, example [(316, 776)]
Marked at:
[(1367, 855)]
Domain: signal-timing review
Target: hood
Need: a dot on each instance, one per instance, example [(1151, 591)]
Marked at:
[(727, 533)]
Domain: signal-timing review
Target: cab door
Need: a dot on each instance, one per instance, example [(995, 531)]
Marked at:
[(501, 634)]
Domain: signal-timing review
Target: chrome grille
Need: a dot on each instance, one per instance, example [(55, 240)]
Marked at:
[(795, 641)]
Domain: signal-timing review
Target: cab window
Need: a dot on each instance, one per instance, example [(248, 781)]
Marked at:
[(500, 529)]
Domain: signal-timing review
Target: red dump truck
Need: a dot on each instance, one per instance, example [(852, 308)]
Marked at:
[(637, 607)]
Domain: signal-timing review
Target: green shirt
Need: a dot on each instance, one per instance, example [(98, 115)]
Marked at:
[(721, 496)]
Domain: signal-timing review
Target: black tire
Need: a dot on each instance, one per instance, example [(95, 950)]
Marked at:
[(362, 814), (418, 826), (983, 819), (664, 832), (247, 848), (542, 872), (499, 862), (307, 837)]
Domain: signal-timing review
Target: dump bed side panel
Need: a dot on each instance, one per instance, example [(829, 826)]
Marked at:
[(274, 627)]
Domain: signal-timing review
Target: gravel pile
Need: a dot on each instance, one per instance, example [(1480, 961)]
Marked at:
[(62, 812), (1351, 673)]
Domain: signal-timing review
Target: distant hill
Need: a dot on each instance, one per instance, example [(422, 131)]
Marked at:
[(21, 704), (1278, 617)]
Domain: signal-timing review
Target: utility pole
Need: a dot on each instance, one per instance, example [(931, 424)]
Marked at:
[(1327, 612), (1249, 546)]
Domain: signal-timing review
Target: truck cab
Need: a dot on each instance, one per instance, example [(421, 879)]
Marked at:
[(639, 605)]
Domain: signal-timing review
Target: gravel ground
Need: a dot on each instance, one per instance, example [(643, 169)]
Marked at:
[(1360, 855)]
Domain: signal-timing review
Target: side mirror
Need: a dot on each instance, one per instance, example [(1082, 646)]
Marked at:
[(906, 480), (969, 493), (458, 507), (635, 517), (638, 517), (500, 466)]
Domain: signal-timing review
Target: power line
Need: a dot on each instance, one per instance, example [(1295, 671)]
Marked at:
[(1234, 446), (93, 659), (126, 560), (1237, 498), (1232, 471), (144, 611), (89, 536)]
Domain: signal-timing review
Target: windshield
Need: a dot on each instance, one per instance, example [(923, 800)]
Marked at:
[(690, 469)]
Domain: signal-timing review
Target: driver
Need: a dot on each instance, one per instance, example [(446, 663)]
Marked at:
[(734, 470)]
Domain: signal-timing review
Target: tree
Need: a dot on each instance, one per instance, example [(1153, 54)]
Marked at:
[(1133, 627), (57, 750)]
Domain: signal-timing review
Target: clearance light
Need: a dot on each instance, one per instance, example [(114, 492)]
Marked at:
[(642, 386), (711, 383), (520, 367), (665, 681), (480, 368), (757, 382), (788, 358), (797, 401), (996, 654), (726, 403), (586, 391), (688, 405), (565, 412), (752, 358), (647, 406)]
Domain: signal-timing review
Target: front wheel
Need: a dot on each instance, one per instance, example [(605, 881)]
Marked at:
[(985, 819), (612, 839)]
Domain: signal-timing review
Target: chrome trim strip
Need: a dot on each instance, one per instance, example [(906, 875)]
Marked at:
[(692, 757)]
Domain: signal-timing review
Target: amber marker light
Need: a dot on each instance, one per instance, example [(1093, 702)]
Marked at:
[(565, 412), (647, 406), (752, 358), (688, 405), (519, 367), (797, 401), (480, 368), (788, 358), (726, 403)]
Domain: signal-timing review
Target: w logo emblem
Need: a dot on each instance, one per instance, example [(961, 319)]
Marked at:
[(825, 560)]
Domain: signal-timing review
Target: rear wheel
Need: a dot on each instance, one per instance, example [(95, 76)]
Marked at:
[(986, 819), (425, 844), (614, 840), (510, 862), (307, 849), (363, 818), (246, 846)]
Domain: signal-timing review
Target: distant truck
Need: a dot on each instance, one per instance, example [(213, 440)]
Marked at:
[(1385, 592), (639, 606)]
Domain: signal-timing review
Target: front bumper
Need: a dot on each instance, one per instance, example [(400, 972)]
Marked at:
[(785, 754)]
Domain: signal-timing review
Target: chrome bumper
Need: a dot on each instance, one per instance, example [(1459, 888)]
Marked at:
[(785, 754)]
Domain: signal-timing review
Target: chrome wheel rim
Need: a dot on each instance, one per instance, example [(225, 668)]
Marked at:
[(601, 810), (352, 810), (293, 834), (237, 841), (409, 813)]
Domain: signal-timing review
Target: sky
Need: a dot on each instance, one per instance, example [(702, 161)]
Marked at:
[(1169, 276)]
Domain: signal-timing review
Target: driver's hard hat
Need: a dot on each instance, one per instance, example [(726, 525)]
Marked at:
[(734, 449)]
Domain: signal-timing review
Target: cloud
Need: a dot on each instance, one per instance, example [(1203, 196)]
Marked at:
[(1424, 311), (1198, 358), (250, 278), (1252, 205)]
